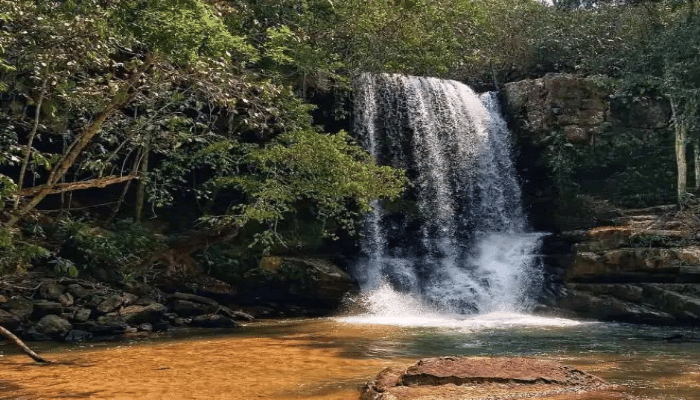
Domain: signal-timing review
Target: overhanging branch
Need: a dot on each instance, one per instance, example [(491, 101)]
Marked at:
[(71, 186)]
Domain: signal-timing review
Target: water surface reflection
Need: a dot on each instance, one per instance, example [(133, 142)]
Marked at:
[(329, 359)]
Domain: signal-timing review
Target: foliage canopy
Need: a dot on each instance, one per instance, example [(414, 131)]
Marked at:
[(200, 110)]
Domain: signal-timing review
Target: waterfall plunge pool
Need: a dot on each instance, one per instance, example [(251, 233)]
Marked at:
[(331, 358), (468, 248)]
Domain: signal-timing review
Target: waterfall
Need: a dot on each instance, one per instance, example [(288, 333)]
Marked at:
[(458, 241)]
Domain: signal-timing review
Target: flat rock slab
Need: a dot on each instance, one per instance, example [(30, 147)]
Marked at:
[(448, 378)]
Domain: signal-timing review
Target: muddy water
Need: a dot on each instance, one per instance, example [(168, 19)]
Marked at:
[(330, 360)]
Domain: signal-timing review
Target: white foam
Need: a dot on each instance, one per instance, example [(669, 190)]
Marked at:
[(385, 306), (494, 320)]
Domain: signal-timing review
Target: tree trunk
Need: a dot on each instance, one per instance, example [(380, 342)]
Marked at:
[(19, 343), (141, 186), (67, 161), (30, 142), (681, 136), (696, 162)]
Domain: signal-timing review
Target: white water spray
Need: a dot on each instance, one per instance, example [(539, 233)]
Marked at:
[(459, 243)]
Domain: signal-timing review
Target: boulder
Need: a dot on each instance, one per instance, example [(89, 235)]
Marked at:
[(306, 280), (34, 335), (136, 315), (19, 306), (9, 320), (78, 291), (213, 321), (143, 290), (145, 327), (94, 299), (66, 299), (193, 298), (80, 314), (77, 335), (161, 326), (110, 324), (110, 303), (51, 291), (200, 285), (46, 307), (129, 299), (179, 321), (483, 378), (236, 315), (53, 326), (185, 308), (145, 301)]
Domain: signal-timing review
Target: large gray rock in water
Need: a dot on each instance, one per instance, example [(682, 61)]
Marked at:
[(53, 326)]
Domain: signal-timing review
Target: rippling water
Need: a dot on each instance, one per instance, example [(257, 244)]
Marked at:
[(331, 358)]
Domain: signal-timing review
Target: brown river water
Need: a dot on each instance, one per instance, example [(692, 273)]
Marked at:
[(331, 359)]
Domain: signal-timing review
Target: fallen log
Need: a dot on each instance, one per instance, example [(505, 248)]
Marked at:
[(19, 343)]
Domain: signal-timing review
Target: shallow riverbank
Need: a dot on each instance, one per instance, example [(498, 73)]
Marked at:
[(330, 360)]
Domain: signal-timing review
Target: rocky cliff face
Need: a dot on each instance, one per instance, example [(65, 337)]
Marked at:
[(583, 149), (564, 102), (605, 261)]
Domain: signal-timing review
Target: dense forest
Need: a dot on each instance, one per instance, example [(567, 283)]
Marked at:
[(145, 136)]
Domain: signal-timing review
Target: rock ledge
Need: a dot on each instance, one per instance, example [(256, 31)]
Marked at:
[(487, 378)]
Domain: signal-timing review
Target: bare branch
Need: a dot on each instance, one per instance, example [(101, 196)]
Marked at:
[(81, 185)]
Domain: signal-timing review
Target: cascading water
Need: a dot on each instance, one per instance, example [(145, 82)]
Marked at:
[(458, 242)]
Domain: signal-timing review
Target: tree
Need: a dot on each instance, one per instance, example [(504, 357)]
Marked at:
[(181, 116), (144, 36), (681, 84)]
